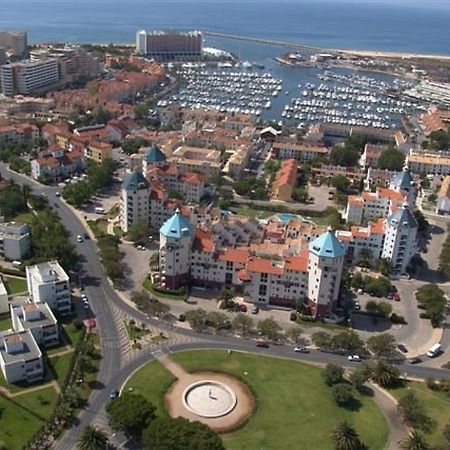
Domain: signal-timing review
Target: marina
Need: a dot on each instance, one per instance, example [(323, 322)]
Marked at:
[(297, 96)]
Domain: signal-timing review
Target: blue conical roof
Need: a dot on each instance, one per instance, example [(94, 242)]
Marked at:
[(403, 217), (154, 155), (135, 181), (177, 226), (403, 180), (327, 246)]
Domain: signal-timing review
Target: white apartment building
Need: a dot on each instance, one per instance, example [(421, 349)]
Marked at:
[(15, 240), (135, 198), (301, 151), (4, 304), (26, 77), (20, 357), (48, 282), (37, 318), (429, 163), (400, 240)]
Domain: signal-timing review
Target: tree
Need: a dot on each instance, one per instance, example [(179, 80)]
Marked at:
[(130, 413), (382, 344), (345, 437), (384, 266), (340, 182), (347, 341), (415, 441), (343, 156), (172, 434), (392, 159), (322, 340), (12, 201), (414, 413), (365, 257), (139, 231), (432, 298), (342, 393), (196, 319), (92, 439), (384, 374), (360, 376), (243, 323), (269, 328), (294, 334), (217, 320), (333, 374), (384, 309), (372, 307)]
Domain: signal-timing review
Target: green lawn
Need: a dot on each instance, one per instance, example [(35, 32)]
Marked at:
[(294, 406), (245, 210), (22, 416), (69, 333), (5, 322), (61, 365), (16, 285), (436, 404)]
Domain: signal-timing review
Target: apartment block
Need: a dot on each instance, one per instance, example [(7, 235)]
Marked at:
[(48, 282), (13, 40), (15, 240)]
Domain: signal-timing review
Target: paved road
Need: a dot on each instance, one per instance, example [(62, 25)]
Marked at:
[(109, 309)]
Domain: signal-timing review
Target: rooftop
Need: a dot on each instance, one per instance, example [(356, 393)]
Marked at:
[(177, 226), (327, 246), (135, 181)]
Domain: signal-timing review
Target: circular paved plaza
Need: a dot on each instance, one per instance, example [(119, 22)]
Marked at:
[(216, 399)]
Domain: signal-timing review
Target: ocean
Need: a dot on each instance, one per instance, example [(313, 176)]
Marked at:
[(409, 26)]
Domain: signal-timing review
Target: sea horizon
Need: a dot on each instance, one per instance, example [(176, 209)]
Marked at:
[(400, 26)]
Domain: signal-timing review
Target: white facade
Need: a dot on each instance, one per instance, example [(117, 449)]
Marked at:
[(141, 42), (400, 240), (15, 241), (20, 357), (4, 305), (25, 77), (49, 283), (134, 205), (326, 260)]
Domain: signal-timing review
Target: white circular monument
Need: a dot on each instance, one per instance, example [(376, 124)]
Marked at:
[(209, 399)]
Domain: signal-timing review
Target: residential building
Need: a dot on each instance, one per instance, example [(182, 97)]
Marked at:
[(443, 198), (371, 155), (48, 282), (98, 151), (237, 162), (20, 357), (135, 198), (28, 77), (176, 237), (285, 180), (37, 318), (4, 304), (14, 41), (400, 239), (153, 157), (326, 260), (18, 133), (15, 240), (57, 163), (299, 150), (2, 56), (195, 159), (429, 162), (435, 119), (169, 45)]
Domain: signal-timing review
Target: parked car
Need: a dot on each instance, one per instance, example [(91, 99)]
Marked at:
[(243, 308), (356, 306), (80, 238), (293, 316), (58, 194), (113, 394), (301, 349), (402, 348), (354, 358), (396, 297), (415, 360), (255, 309), (181, 317)]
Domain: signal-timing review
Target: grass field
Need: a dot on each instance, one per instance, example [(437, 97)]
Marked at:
[(61, 365), (5, 322), (436, 404), (295, 408), (15, 285), (22, 416)]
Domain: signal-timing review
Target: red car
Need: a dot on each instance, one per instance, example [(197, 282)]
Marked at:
[(243, 308), (396, 297)]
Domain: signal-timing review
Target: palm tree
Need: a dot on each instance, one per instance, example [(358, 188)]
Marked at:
[(92, 439), (345, 437), (414, 441), (385, 374)]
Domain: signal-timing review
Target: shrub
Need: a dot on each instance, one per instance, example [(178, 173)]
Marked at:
[(333, 374), (398, 319)]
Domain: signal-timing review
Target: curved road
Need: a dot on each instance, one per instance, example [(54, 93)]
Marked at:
[(105, 301)]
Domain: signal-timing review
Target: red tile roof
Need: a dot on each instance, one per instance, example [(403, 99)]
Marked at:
[(262, 265), (236, 255)]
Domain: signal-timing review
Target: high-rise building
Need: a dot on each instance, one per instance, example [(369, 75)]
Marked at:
[(26, 77), (2, 56), (326, 259), (134, 205), (15, 41), (169, 45)]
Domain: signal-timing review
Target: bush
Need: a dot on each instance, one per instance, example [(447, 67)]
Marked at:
[(342, 393), (414, 413), (397, 319), (333, 374), (77, 323)]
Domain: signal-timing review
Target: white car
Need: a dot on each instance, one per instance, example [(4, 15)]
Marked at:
[(354, 358), (84, 296), (80, 238)]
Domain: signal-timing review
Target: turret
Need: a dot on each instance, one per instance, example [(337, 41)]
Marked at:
[(154, 157)]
